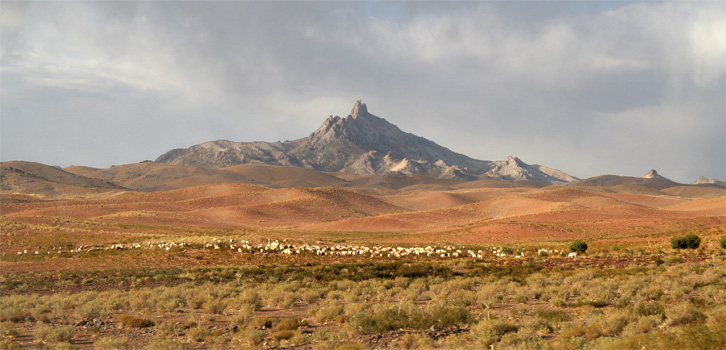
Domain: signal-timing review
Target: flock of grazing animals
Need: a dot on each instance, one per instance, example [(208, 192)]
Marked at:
[(285, 248)]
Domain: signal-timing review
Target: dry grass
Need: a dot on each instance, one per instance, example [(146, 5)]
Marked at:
[(507, 308)]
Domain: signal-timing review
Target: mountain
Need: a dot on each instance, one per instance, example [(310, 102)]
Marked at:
[(361, 143)]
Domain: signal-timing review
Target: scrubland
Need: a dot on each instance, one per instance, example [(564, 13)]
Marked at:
[(673, 300)]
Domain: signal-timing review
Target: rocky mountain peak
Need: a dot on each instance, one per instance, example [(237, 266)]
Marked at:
[(653, 174), (513, 162), (360, 128), (362, 143), (359, 110)]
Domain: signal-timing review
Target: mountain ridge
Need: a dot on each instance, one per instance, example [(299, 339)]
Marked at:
[(362, 143)]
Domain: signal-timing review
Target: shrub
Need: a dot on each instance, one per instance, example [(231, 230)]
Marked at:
[(722, 242), (262, 323), (14, 314), (684, 313), (413, 341), (198, 333), (7, 344), (65, 346), (242, 317), (251, 337), (8, 330), (216, 307), (350, 347), (163, 343), (49, 334), (288, 324), (687, 337), (390, 318), (688, 241), (490, 332), (653, 309), (283, 334), (578, 246), (552, 315), (111, 343), (130, 321)]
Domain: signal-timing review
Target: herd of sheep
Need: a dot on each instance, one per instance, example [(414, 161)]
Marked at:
[(285, 248)]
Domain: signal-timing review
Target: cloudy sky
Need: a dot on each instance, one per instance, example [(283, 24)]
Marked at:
[(590, 88)]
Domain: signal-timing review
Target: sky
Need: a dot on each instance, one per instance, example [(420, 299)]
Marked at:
[(587, 87)]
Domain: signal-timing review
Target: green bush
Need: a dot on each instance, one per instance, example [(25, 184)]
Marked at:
[(578, 246), (688, 241), (722, 243)]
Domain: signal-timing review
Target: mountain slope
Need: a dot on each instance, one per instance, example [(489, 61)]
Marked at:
[(615, 180), (150, 176), (361, 143), (48, 181)]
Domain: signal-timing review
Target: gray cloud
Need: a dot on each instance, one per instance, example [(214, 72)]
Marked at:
[(589, 88)]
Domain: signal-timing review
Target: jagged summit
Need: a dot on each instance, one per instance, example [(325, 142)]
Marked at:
[(653, 174), (361, 143), (359, 109)]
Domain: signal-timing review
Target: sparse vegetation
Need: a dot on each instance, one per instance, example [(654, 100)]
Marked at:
[(593, 306)]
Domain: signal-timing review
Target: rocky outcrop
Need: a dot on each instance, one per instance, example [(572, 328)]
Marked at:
[(513, 169), (652, 174), (361, 143), (703, 180)]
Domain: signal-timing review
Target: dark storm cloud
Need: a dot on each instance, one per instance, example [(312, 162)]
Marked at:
[(588, 88)]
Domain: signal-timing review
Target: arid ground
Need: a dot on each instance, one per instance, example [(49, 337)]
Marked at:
[(161, 260)]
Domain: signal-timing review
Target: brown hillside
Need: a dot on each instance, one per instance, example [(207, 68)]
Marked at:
[(697, 191), (18, 177), (614, 180)]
